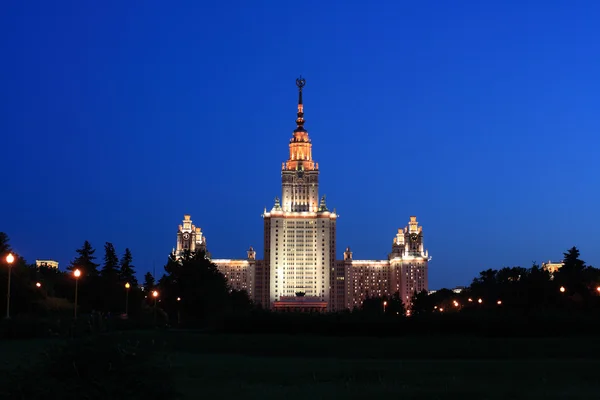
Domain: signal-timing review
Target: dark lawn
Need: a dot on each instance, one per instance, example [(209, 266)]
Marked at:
[(294, 367), (226, 376)]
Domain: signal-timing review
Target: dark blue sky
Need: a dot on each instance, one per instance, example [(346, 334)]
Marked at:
[(479, 117)]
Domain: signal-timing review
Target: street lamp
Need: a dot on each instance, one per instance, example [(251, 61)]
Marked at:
[(9, 260), (384, 304), (155, 295), (76, 274), (127, 286), (178, 312)]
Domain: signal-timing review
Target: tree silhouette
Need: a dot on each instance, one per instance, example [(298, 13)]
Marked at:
[(572, 274), (127, 271), (202, 288), (111, 263), (390, 305), (422, 303), (4, 244), (148, 282), (85, 260), (109, 291), (395, 305)]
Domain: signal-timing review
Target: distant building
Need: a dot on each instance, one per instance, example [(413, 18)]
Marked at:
[(46, 263), (552, 267), (189, 238), (456, 290), (299, 270)]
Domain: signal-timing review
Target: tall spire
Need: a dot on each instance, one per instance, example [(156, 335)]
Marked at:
[(300, 82), (300, 145)]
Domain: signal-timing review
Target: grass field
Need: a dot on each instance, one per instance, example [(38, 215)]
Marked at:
[(295, 367)]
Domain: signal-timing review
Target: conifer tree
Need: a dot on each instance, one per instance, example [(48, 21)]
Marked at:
[(111, 262), (4, 245), (148, 282), (85, 260), (127, 271)]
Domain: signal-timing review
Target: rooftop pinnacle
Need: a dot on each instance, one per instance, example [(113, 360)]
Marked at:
[(300, 82)]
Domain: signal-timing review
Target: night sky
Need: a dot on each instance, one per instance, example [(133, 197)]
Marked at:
[(479, 117)]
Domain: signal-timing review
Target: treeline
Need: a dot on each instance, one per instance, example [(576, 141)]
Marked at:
[(575, 287), (191, 289), (193, 293), (101, 287)]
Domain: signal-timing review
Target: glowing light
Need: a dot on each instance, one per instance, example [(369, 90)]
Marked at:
[(179, 299), (10, 258), (435, 307), (155, 294), (456, 303), (598, 289), (385, 303), (480, 301), (38, 284), (127, 285), (562, 289), (470, 300), (499, 302), (441, 310), (77, 273)]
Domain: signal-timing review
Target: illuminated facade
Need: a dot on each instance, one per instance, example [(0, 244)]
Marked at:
[(299, 270), (552, 267), (189, 237), (46, 263)]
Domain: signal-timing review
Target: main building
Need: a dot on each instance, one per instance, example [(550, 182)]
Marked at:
[(299, 270)]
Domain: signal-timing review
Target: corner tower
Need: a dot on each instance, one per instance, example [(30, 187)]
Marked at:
[(300, 231)]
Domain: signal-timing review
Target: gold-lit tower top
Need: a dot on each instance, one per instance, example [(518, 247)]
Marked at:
[(300, 145)]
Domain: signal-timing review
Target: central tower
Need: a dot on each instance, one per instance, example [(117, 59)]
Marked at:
[(300, 174), (300, 231)]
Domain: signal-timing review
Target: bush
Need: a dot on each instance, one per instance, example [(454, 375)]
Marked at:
[(96, 367)]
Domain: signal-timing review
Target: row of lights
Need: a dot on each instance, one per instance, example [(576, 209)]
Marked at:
[(10, 259), (470, 300), (499, 302), (562, 289)]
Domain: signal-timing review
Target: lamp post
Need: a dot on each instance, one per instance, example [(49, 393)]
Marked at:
[(178, 312), (155, 295), (127, 286), (9, 260), (384, 305), (76, 274)]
